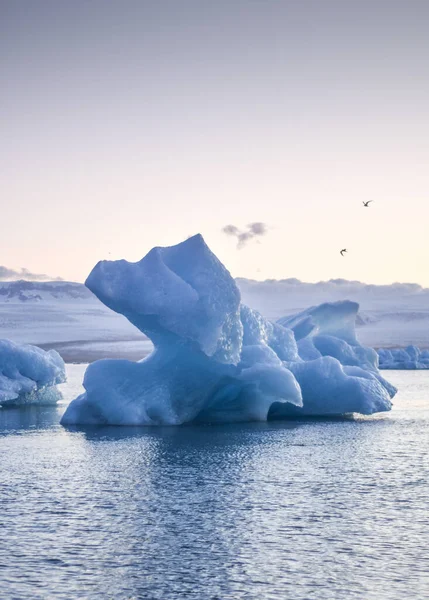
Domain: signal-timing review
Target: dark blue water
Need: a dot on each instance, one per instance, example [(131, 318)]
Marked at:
[(313, 509)]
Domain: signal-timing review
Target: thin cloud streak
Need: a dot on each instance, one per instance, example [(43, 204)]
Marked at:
[(7, 274)]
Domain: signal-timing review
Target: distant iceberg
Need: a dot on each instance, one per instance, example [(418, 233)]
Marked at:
[(216, 360), (409, 358), (29, 375)]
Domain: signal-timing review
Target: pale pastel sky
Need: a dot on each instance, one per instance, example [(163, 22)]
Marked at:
[(129, 124)]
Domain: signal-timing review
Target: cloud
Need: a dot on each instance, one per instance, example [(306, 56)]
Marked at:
[(7, 274), (253, 230)]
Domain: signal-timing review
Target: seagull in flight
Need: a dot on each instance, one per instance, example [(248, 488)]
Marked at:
[(366, 204), (343, 251)]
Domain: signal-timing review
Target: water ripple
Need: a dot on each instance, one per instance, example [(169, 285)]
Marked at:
[(306, 510)]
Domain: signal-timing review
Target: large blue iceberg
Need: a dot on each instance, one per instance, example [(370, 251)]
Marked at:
[(216, 360), (29, 375)]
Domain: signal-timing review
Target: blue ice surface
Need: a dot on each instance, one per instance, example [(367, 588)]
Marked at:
[(217, 360), (28, 374), (409, 358)]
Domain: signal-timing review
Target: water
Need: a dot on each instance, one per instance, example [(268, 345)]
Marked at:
[(333, 509)]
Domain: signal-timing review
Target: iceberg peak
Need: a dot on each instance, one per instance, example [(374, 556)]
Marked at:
[(180, 294)]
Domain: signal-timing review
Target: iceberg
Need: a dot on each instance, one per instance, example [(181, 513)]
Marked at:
[(215, 360), (409, 358), (337, 375), (29, 375)]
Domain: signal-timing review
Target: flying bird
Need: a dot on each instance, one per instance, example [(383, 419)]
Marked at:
[(366, 204), (342, 252)]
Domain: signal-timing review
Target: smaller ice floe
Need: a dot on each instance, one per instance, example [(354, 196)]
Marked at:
[(29, 375), (410, 358), (337, 375), (330, 330)]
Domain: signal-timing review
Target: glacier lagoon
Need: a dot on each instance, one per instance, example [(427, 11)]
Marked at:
[(314, 508), (240, 501)]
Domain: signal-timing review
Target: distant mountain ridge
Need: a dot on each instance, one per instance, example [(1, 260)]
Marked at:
[(283, 290), (36, 291), (286, 293)]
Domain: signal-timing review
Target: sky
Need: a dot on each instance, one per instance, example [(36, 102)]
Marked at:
[(129, 124)]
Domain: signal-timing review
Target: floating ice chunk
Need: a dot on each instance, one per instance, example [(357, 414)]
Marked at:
[(329, 330), (337, 319), (351, 383), (28, 374), (328, 388), (216, 360), (403, 358)]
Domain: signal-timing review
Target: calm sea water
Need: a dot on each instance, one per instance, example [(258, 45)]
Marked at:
[(327, 509)]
